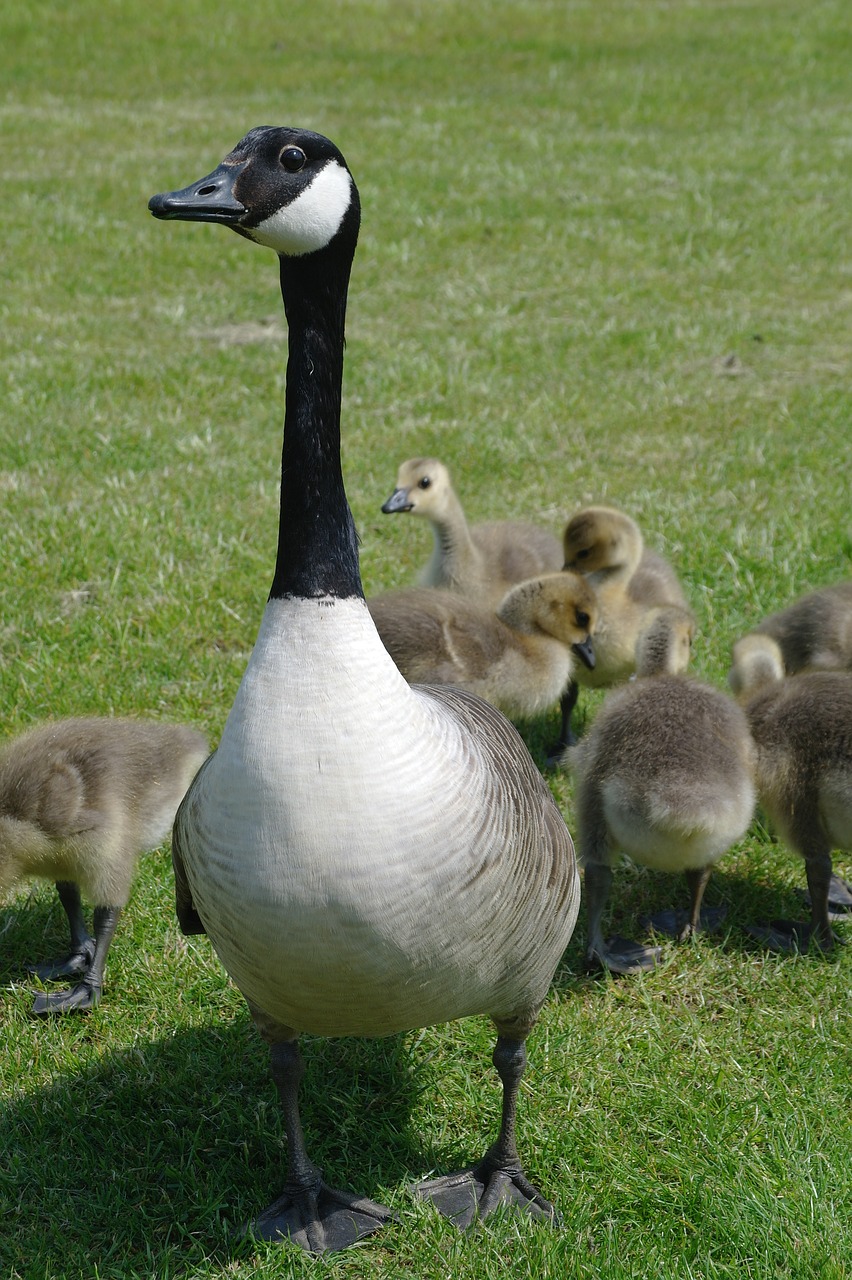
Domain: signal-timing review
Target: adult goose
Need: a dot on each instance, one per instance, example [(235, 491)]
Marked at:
[(366, 857), (482, 561), (519, 659), (80, 799), (632, 583)]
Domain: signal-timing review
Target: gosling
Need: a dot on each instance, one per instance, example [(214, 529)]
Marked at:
[(481, 561), (520, 658), (812, 634), (80, 799), (631, 583), (665, 775), (802, 729)]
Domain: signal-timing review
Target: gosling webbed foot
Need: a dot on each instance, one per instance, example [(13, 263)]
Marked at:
[(79, 999), (472, 1194), (675, 922), (74, 965), (791, 936), (319, 1218), (620, 955)]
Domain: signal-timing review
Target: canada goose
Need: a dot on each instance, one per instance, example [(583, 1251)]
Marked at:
[(482, 560), (79, 801), (802, 728), (631, 581), (813, 634), (665, 775), (365, 856), (519, 659)]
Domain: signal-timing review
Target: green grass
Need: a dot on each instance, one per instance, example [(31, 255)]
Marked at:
[(604, 256)]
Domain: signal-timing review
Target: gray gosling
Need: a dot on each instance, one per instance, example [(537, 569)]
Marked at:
[(802, 728), (812, 634), (482, 560), (665, 775), (631, 582), (80, 799), (519, 659)]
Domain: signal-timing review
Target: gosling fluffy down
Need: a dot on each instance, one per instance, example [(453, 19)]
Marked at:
[(519, 659), (665, 775), (812, 634), (483, 560), (80, 799), (802, 729)]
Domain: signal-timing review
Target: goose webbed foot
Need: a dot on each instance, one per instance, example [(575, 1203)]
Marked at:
[(319, 1218), (620, 955), (78, 999), (676, 923), (471, 1195), (791, 936)]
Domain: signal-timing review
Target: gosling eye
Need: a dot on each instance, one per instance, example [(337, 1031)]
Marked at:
[(424, 483), (584, 553), (292, 159), (582, 619)]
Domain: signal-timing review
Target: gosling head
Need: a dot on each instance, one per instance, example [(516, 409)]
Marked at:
[(757, 661), (600, 538), (422, 488), (665, 644), (561, 605)]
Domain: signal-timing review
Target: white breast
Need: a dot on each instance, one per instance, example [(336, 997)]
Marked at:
[(347, 848)]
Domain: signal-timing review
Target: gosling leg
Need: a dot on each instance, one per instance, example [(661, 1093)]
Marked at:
[(617, 954), (79, 958), (87, 992)]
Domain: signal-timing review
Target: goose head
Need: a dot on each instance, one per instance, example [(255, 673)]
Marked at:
[(422, 487), (598, 539), (561, 605), (287, 189)]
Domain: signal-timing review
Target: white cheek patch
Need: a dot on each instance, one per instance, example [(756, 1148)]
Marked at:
[(311, 220)]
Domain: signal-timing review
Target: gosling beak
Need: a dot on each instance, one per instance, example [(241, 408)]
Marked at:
[(211, 199), (398, 501), (585, 653)]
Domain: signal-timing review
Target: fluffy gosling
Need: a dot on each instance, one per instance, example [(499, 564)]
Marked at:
[(482, 561), (80, 799)]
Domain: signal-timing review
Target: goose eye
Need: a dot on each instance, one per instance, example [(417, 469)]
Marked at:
[(424, 483), (292, 159), (584, 553), (582, 618)]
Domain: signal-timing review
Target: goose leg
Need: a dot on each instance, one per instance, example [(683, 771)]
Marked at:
[(87, 992), (310, 1213), (82, 950), (683, 924), (617, 954), (498, 1178)]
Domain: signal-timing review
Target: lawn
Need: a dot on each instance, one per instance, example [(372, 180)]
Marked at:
[(604, 256)]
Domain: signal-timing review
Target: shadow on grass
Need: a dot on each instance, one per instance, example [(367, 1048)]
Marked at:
[(638, 893), (157, 1157)]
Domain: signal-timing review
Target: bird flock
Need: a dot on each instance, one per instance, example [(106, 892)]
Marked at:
[(371, 848)]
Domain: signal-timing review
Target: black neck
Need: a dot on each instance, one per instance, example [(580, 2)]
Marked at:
[(317, 543)]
